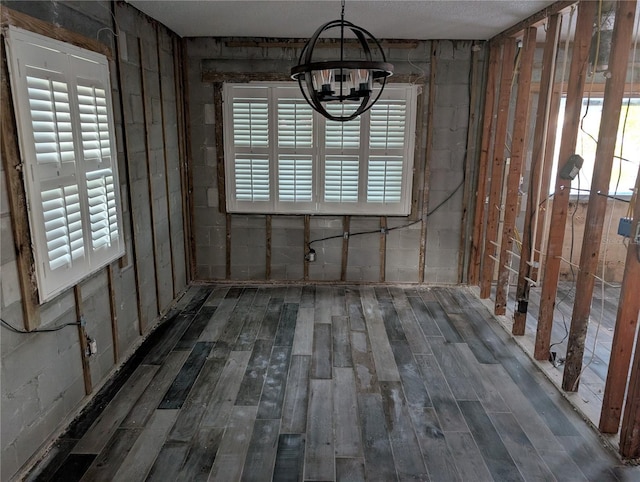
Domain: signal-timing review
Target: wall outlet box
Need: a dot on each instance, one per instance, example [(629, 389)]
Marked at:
[(624, 227)]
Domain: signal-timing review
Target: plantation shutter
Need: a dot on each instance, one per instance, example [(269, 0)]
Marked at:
[(62, 103)]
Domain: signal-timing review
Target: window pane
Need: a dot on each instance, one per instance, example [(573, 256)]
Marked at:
[(384, 181), (295, 178), (252, 178), (341, 179), (250, 122), (295, 123)]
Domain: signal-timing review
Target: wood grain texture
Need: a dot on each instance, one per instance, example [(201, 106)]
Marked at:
[(319, 456)]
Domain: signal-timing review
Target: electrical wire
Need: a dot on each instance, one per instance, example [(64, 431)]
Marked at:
[(12, 328)]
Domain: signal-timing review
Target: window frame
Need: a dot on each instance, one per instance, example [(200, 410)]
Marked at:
[(320, 152), (73, 66)]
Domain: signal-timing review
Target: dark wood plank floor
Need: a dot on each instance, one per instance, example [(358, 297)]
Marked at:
[(330, 383)]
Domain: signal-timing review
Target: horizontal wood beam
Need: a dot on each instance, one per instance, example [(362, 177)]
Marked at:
[(534, 19)]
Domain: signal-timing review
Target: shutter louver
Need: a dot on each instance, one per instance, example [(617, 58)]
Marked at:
[(250, 123), (341, 179), (102, 208), (50, 120), (295, 178), (94, 123), (341, 135), (62, 225), (295, 123), (384, 181), (252, 178), (388, 125)]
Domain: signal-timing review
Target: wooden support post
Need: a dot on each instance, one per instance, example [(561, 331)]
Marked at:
[(227, 256), (630, 430), (113, 310), (427, 159), (82, 337), (596, 209), (518, 148), (493, 213), (623, 335), (486, 153), (268, 228), (537, 163), (17, 202), (346, 222), (307, 239), (573, 105), (219, 136), (383, 248)]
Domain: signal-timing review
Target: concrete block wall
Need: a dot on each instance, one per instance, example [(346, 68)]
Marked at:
[(446, 165), (41, 378)]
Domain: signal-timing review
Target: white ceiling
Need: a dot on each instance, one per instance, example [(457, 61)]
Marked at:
[(385, 19)]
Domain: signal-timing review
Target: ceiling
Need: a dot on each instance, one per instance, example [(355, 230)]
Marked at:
[(385, 19)]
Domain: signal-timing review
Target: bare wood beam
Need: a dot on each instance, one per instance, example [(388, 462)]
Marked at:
[(219, 135), (13, 169), (82, 337), (596, 209), (113, 311), (307, 239), (486, 153), (573, 105), (269, 236), (537, 163), (346, 223), (383, 248), (227, 256), (518, 147), (625, 328), (534, 19), (427, 159), (493, 214)]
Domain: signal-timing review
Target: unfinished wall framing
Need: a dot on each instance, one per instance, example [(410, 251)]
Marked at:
[(512, 165)]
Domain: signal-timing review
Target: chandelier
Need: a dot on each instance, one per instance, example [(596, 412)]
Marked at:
[(345, 81)]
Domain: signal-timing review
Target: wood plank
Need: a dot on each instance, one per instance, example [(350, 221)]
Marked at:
[(201, 455), (307, 246), (286, 328), (293, 295), (167, 464), (272, 397), (345, 414), (379, 464), (106, 464), (493, 451), (234, 445), (349, 469), (251, 326), (630, 431), (414, 389), (261, 455), (414, 335), (321, 359), (238, 316), (341, 342), (480, 351), (146, 448), (268, 242), (354, 309), (74, 466), (289, 458), (195, 329), (319, 455), (437, 457), (443, 322), (176, 327), (223, 397), (561, 465), (338, 301), (495, 187), (385, 364), (344, 263), (404, 444), (443, 400), (113, 314), (383, 248), (294, 412), (182, 384), (424, 317), (594, 464), (520, 447), (518, 152), (597, 207), (457, 377), (152, 395), (203, 296), (219, 320), (253, 380), (558, 220), (323, 304), (363, 364), (391, 320), (270, 322), (303, 335), (109, 420), (467, 457), (308, 296), (487, 393), (83, 339)]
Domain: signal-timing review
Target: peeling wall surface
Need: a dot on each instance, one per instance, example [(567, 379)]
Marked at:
[(41, 374), (248, 233)]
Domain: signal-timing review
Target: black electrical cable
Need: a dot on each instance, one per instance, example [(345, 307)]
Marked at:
[(12, 328)]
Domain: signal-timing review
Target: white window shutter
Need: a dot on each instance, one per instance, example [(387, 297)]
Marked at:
[(295, 178), (341, 179), (252, 178), (388, 124), (295, 124), (250, 123)]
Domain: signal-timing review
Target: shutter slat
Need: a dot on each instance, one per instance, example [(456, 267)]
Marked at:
[(341, 179)]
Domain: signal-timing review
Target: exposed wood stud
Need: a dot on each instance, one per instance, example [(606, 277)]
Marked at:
[(82, 336), (486, 153), (16, 194), (558, 220), (535, 18), (518, 153), (219, 135), (307, 239), (146, 112), (113, 310), (538, 157), (346, 221), (630, 430), (623, 335), (597, 207), (268, 228), (427, 159), (495, 189), (383, 248), (227, 264)]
